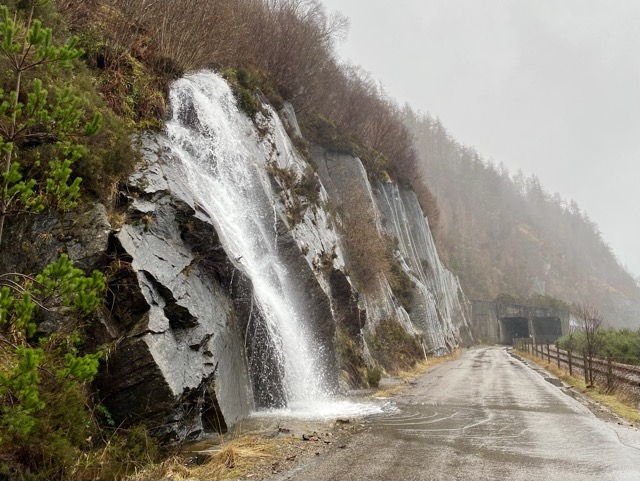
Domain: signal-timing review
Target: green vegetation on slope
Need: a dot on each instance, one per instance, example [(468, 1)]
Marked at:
[(43, 377), (501, 234), (29, 114), (623, 345), (48, 420), (78, 80)]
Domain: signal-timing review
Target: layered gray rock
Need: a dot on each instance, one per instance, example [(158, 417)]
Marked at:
[(438, 313), (190, 352), (35, 241), (439, 309), (179, 362)]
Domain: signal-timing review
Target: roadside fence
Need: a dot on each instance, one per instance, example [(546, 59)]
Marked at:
[(607, 373)]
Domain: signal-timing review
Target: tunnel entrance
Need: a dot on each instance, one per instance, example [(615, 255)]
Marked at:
[(511, 327), (547, 329)]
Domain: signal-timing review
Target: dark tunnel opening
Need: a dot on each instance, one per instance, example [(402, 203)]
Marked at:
[(547, 329), (513, 327)]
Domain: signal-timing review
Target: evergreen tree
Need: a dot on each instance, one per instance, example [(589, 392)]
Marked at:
[(59, 288), (29, 114)]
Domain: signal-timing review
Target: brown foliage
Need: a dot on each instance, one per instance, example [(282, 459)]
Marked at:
[(291, 42), (367, 251), (288, 44), (370, 251)]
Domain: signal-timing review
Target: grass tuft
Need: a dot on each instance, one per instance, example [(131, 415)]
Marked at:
[(232, 460)]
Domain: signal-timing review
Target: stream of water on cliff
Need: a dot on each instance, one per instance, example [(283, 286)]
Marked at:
[(225, 165)]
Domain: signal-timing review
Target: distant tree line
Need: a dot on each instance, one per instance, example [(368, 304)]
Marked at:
[(503, 233)]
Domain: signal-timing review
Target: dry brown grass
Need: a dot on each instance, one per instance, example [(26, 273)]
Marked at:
[(231, 460), (254, 455), (116, 218), (416, 371), (620, 403)]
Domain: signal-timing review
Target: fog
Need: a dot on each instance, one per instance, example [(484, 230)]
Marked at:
[(550, 87)]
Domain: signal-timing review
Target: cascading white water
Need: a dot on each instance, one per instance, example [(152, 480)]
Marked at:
[(226, 172), (224, 161)]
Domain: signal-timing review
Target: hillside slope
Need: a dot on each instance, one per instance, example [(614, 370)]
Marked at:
[(504, 234)]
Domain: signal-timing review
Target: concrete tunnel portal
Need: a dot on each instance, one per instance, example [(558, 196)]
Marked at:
[(501, 322), (544, 329)]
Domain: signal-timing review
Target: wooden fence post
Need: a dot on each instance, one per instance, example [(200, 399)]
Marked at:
[(609, 373), (570, 365), (548, 353), (586, 367), (558, 353)]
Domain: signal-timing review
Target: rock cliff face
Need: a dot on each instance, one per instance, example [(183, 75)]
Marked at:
[(180, 360), (229, 286), (438, 310)]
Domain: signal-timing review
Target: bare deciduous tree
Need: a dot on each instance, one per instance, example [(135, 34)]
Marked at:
[(590, 322)]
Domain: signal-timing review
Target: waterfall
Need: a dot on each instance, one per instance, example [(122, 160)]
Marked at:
[(224, 162)]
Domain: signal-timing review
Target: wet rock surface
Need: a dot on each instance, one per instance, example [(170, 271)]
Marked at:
[(193, 346), (38, 240), (438, 313), (180, 361), (189, 350), (439, 310)]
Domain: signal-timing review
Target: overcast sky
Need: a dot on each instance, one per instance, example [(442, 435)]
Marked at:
[(551, 87)]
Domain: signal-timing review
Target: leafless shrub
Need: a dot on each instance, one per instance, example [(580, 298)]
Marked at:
[(195, 33), (289, 42), (589, 323), (292, 41), (370, 251), (366, 249)]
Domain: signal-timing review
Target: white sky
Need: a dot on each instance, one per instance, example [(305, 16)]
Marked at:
[(551, 87)]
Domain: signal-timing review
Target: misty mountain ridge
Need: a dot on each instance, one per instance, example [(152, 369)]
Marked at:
[(504, 234)]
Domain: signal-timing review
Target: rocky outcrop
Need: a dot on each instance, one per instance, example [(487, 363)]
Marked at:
[(439, 309), (437, 312), (229, 284), (36, 241), (179, 362)]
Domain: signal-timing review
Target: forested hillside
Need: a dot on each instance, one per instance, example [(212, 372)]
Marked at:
[(82, 83), (85, 103), (503, 234)]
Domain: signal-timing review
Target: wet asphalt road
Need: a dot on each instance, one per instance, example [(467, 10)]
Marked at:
[(484, 416)]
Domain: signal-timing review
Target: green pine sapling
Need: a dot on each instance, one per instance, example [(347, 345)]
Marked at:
[(59, 288), (30, 115)]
